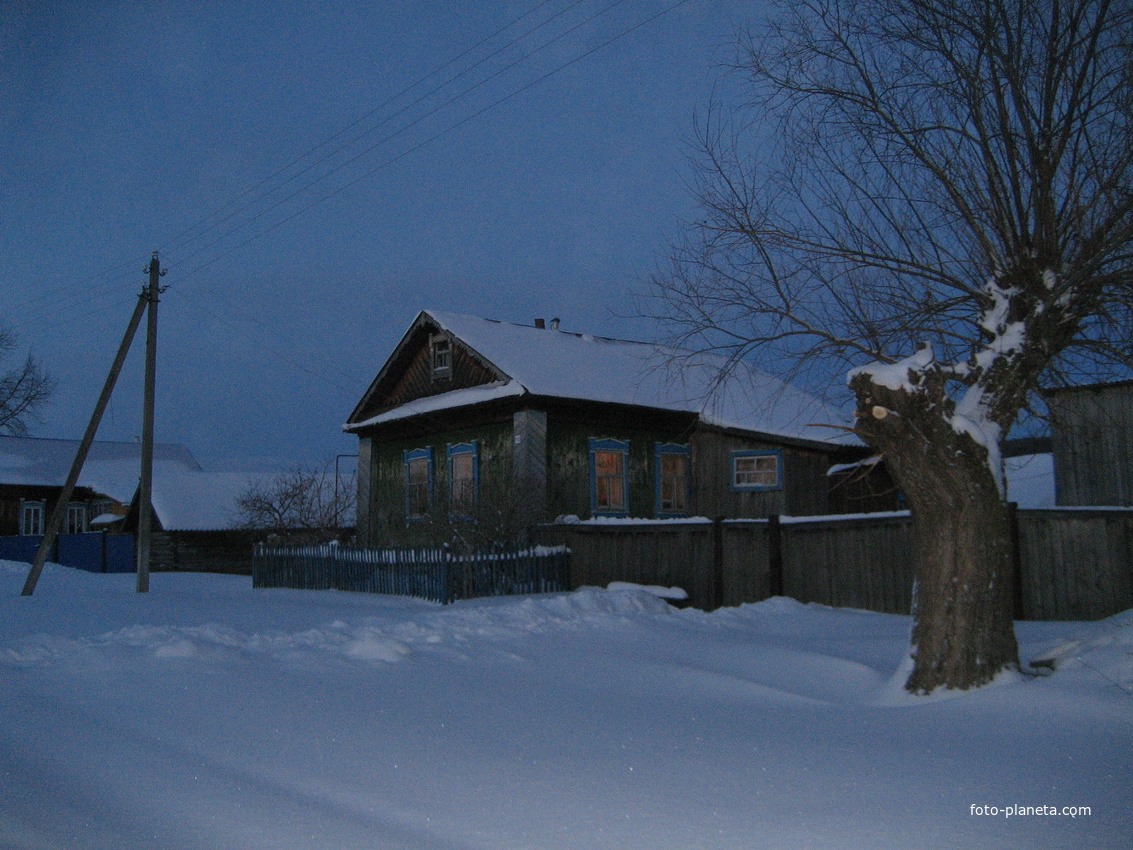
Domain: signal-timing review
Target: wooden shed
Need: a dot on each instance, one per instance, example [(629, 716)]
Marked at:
[(1092, 441)]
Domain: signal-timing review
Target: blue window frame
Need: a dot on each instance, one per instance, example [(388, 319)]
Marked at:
[(672, 466), (757, 470), (609, 477), (418, 483), (463, 478)]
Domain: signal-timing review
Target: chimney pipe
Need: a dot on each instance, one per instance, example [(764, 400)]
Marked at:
[(540, 323), (554, 324)]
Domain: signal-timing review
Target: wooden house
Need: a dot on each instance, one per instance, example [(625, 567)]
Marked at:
[(476, 428), (1092, 441), (33, 471)]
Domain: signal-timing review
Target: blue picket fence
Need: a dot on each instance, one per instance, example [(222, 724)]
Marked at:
[(437, 574), (95, 552)]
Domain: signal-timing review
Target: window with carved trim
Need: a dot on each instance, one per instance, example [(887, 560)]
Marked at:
[(672, 471), (609, 477), (31, 517), (418, 483), (464, 473), (77, 517)]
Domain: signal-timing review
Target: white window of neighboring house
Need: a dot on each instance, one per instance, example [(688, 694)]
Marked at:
[(440, 351), (31, 517), (77, 518), (759, 470)]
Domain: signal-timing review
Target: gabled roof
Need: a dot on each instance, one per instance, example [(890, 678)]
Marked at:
[(559, 364)]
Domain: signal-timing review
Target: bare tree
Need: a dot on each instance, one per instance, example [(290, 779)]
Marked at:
[(23, 390), (941, 201), (303, 502)]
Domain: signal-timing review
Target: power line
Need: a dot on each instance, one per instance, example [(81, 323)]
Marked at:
[(283, 356), (259, 215), (106, 285), (446, 131), (370, 114), (259, 343)]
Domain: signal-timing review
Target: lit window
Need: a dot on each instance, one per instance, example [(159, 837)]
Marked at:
[(76, 518), (755, 470), (609, 477), (464, 469), (441, 354), (418, 483), (672, 475), (31, 517)]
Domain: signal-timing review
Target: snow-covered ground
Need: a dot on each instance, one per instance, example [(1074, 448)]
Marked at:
[(210, 715)]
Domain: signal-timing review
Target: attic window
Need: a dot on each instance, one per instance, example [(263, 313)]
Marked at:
[(441, 356)]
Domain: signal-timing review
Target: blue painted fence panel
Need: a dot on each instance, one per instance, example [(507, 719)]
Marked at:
[(94, 552)]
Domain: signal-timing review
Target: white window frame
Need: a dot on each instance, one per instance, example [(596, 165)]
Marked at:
[(78, 518), (440, 356), (757, 470), (32, 517)]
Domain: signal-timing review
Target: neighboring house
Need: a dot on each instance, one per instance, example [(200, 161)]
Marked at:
[(33, 471), (479, 423), (185, 497), (193, 511), (1092, 437)]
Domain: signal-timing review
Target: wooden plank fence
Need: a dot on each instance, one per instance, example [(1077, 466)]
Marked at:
[(1072, 564), (437, 574)]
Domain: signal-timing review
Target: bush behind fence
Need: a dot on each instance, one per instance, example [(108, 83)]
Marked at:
[(438, 574)]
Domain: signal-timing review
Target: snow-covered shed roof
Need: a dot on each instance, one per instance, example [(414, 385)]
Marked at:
[(200, 501), (559, 364), (111, 468)]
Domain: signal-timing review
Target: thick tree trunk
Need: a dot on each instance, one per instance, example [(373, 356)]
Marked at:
[(963, 631), (963, 634)]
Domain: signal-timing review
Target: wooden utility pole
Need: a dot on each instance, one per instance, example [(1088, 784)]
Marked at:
[(145, 487), (56, 521)]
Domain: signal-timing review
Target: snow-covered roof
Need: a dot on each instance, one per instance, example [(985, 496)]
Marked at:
[(200, 501), (184, 496), (111, 468), (559, 364)]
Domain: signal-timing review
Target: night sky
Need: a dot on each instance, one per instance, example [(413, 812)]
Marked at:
[(194, 128)]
